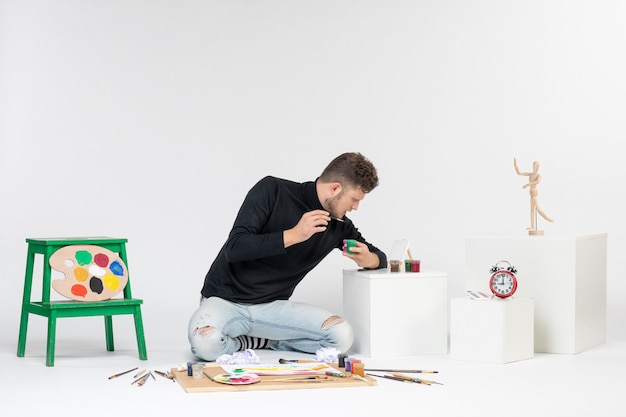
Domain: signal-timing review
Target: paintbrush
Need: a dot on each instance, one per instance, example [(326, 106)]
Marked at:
[(311, 378), (142, 372), (414, 379), (141, 380), (410, 371), (122, 373), (165, 375), (338, 219), (284, 361), (395, 378), (360, 378)]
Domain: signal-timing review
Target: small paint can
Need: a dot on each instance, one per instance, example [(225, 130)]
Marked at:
[(347, 244), (341, 360), (354, 363), (415, 266), (358, 369), (407, 265), (196, 370), (394, 265)]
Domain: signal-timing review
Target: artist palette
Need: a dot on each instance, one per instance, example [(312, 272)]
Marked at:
[(233, 379), (90, 272)]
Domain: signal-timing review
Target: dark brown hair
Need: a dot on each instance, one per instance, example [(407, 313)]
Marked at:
[(351, 170)]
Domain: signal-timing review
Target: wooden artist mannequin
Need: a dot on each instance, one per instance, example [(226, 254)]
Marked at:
[(533, 180)]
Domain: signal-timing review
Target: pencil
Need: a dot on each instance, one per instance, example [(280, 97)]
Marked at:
[(121, 373)]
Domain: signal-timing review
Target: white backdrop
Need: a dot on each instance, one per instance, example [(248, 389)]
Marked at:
[(151, 119)]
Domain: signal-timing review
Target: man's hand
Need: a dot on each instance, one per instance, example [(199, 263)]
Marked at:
[(311, 222), (362, 256)]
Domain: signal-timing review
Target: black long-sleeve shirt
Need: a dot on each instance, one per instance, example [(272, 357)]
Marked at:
[(253, 266)]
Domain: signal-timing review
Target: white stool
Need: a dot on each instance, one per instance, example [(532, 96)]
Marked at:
[(493, 330), (397, 313)]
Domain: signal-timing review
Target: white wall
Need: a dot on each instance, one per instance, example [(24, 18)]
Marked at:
[(151, 119)]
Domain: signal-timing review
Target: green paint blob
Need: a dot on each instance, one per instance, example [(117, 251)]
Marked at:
[(83, 257)]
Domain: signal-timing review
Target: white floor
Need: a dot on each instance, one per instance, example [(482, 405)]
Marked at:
[(591, 383)]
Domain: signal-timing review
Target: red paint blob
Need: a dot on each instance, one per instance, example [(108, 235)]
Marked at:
[(101, 260), (79, 290)]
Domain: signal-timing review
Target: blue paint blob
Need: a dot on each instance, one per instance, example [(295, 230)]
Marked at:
[(117, 268)]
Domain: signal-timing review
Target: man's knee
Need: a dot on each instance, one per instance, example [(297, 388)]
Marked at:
[(341, 335), (204, 331), (331, 321), (206, 342)]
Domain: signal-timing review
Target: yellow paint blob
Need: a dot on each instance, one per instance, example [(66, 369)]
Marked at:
[(81, 274), (111, 281)]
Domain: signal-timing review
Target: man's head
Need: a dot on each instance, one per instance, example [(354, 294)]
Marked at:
[(344, 183)]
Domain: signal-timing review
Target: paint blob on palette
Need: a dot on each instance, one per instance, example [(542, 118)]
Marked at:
[(91, 273)]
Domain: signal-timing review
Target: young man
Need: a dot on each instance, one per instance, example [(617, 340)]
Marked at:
[(282, 231)]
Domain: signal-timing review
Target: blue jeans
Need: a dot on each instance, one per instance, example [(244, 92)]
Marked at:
[(215, 325)]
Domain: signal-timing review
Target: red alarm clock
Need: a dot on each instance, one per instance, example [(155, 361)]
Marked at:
[(503, 282)]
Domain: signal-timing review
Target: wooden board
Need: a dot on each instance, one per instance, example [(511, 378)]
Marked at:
[(267, 382)]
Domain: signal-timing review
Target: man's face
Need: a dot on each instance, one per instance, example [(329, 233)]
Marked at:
[(344, 201)]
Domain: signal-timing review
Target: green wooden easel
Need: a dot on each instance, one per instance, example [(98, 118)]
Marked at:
[(69, 308)]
